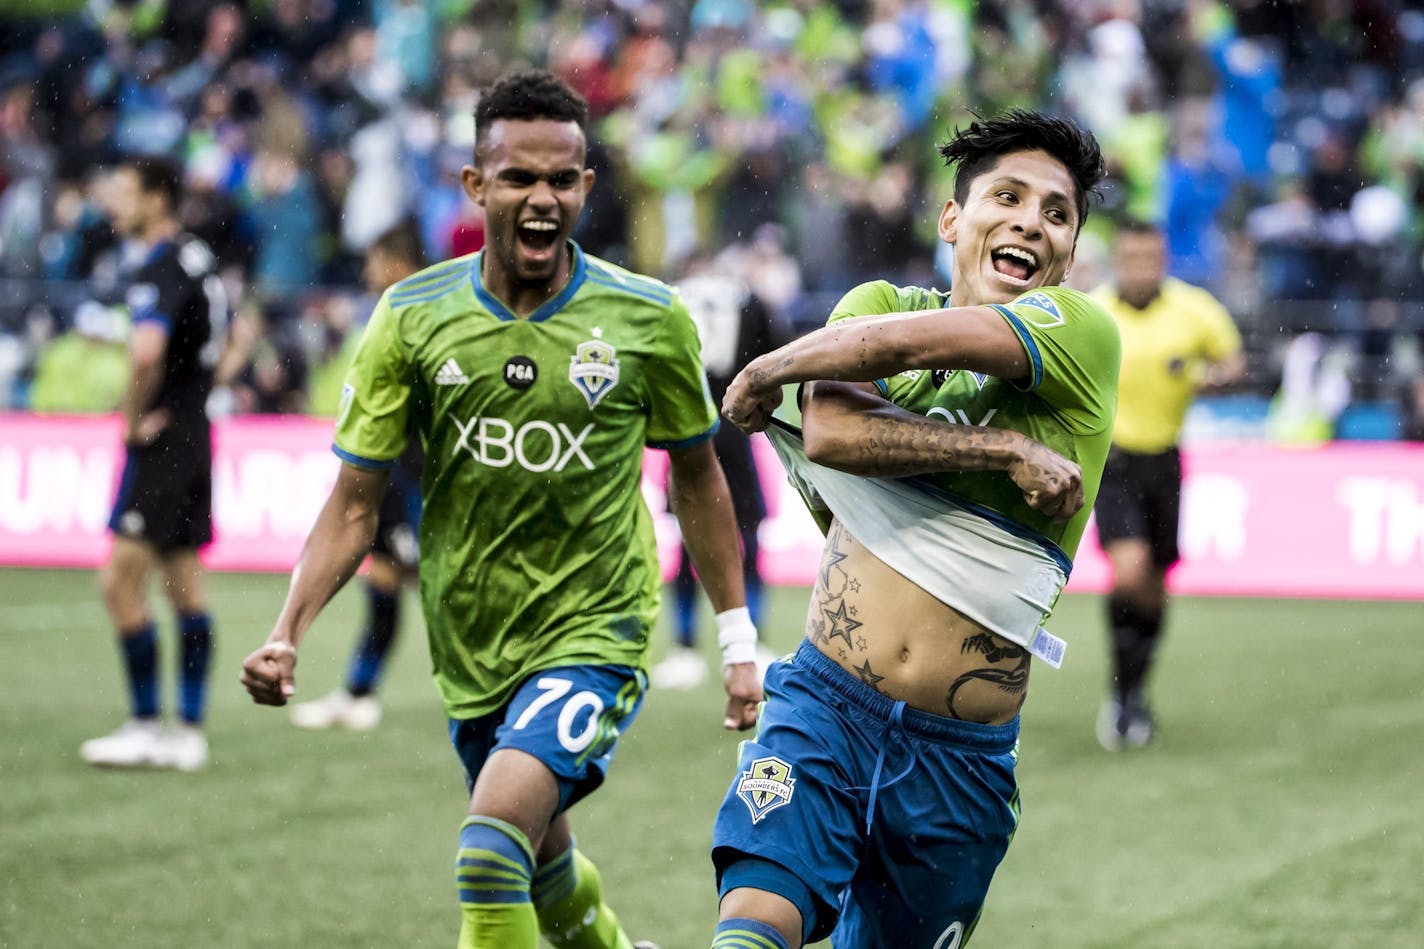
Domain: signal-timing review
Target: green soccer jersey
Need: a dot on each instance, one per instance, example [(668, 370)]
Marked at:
[(1067, 403), (536, 549)]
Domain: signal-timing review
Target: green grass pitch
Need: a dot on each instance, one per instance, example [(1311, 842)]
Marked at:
[(1281, 807)]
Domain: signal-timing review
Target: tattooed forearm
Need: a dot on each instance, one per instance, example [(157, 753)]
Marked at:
[(899, 449), (894, 443), (857, 432)]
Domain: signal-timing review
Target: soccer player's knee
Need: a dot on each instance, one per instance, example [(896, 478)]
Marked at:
[(110, 585), (741, 932), (495, 862), (758, 889), (123, 599)]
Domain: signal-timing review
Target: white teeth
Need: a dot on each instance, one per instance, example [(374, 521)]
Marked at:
[(540, 225), (1026, 256)]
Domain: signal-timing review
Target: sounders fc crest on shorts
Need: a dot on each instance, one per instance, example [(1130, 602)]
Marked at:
[(767, 785), (593, 368)]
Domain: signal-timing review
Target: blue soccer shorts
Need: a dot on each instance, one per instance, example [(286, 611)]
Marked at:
[(894, 819), (569, 717)]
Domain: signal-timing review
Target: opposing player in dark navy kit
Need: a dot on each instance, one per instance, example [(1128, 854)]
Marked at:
[(163, 512), (391, 258)]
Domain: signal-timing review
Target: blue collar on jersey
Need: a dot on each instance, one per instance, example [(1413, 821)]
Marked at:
[(577, 271)]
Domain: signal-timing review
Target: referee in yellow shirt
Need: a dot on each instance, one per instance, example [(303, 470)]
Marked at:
[(1176, 341)]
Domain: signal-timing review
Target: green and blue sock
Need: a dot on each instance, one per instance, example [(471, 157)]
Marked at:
[(739, 933), (492, 874), (568, 897)]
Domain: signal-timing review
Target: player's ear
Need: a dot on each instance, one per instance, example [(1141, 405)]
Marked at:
[(473, 181), (588, 179), (949, 222)]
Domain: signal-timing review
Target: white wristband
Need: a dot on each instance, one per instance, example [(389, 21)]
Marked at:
[(737, 636)]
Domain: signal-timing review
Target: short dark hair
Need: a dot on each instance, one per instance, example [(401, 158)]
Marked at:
[(975, 149), (402, 242), (158, 174), (527, 96)]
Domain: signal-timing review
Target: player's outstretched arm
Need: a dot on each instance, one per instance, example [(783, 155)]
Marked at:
[(703, 506), (338, 542), (875, 347), (849, 427)]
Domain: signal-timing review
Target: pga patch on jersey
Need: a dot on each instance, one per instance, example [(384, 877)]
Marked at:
[(767, 785), (593, 369)]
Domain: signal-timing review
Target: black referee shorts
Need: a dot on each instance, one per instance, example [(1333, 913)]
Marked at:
[(165, 495), (1141, 497)]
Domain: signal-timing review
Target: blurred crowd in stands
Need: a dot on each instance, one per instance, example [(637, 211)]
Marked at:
[(1280, 144)]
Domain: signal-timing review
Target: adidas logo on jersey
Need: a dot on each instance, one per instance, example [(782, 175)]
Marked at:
[(450, 374)]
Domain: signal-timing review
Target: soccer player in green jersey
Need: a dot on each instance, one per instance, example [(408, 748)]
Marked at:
[(534, 375), (952, 445)]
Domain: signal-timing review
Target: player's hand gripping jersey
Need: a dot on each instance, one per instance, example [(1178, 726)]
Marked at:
[(969, 538), (536, 547)]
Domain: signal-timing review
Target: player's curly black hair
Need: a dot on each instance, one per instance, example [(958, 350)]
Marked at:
[(527, 96), (976, 148)]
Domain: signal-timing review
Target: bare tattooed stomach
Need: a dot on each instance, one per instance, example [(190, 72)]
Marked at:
[(904, 643)]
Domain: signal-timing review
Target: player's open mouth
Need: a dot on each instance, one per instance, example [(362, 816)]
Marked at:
[(538, 236), (1016, 263)]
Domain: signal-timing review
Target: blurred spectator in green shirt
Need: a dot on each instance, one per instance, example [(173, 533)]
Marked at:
[(85, 369)]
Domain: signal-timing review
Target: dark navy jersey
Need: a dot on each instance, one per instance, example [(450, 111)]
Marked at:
[(177, 286)]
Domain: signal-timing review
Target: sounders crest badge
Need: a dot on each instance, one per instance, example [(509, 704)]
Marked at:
[(593, 368), (764, 787)]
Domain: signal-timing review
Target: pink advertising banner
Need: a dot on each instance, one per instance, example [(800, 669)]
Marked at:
[(58, 475), (1344, 520)]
